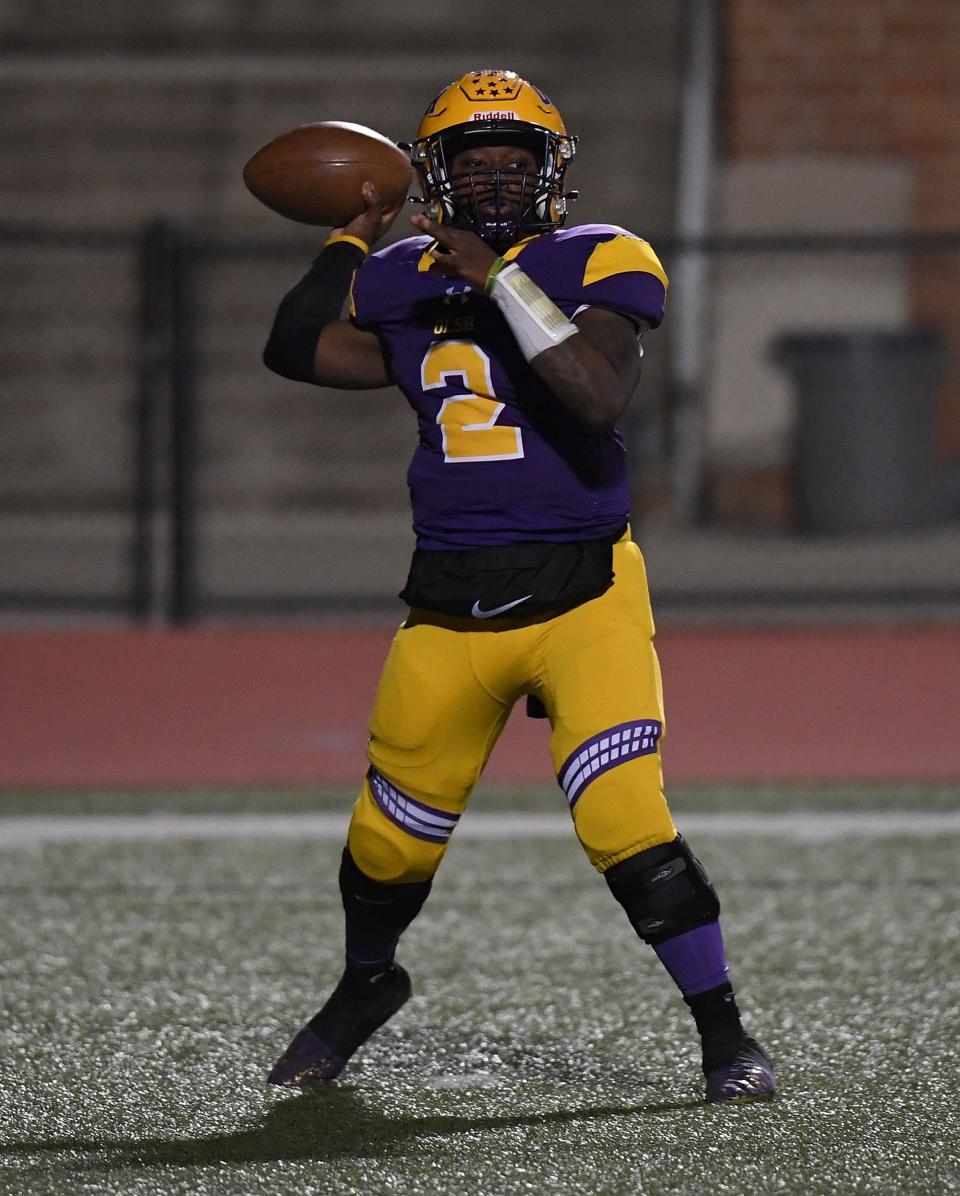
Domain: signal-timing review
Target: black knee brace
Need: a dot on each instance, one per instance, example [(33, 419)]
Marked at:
[(371, 905), (664, 890)]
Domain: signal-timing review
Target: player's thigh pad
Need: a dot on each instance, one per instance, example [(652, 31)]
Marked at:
[(606, 701), (431, 731)]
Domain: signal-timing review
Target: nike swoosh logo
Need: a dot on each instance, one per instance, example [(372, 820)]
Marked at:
[(497, 610)]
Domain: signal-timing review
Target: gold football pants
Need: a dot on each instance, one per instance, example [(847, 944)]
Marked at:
[(447, 688)]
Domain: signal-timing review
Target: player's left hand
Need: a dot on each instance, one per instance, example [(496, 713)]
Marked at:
[(458, 252)]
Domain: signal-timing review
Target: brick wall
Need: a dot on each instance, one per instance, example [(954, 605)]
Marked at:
[(868, 77)]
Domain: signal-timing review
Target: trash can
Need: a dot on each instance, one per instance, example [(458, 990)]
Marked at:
[(863, 449)]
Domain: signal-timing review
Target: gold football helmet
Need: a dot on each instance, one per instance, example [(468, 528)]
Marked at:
[(494, 107)]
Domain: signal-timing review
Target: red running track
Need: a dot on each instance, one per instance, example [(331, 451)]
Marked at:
[(227, 707)]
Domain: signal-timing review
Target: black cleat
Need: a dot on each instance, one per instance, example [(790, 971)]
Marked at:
[(748, 1076), (320, 1051)]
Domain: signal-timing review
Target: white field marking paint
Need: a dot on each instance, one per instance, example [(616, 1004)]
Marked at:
[(463, 1081), (812, 827)]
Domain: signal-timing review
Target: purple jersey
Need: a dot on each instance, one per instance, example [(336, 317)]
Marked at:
[(500, 460)]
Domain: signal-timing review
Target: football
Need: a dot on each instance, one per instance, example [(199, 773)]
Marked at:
[(314, 173)]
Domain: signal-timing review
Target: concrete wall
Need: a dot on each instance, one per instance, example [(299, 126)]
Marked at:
[(113, 112), (760, 296), (865, 79)]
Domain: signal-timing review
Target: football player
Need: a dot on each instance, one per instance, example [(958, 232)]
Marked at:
[(516, 343)]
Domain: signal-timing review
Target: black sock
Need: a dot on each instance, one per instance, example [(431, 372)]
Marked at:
[(376, 915), (365, 979), (718, 1022)]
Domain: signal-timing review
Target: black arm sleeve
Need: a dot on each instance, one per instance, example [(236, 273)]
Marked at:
[(305, 311)]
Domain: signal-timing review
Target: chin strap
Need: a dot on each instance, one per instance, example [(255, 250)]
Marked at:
[(534, 319)]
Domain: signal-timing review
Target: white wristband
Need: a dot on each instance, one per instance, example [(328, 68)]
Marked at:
[(534, 318)]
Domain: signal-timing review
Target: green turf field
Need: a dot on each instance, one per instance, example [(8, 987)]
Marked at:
[(149, 984)]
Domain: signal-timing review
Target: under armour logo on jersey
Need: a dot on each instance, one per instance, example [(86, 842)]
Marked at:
[(452, 295)]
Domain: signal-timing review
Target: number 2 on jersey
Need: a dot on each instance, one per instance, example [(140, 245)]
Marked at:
[(468, 422)]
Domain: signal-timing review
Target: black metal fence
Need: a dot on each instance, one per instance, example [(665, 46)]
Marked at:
[(153, 469), (99, 395)]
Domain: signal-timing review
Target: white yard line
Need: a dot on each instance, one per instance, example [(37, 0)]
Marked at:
[(814, 826)]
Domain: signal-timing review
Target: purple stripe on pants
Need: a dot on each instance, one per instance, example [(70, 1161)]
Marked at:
[(415, 817), (605, 750)]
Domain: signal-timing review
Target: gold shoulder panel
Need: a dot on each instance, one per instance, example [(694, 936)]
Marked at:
[(426, 258), (515, 250), (621, 255)]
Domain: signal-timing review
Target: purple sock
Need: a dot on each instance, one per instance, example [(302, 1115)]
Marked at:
[(695, 959)]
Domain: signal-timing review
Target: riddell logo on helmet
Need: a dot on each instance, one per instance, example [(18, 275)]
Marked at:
[(494, 116)]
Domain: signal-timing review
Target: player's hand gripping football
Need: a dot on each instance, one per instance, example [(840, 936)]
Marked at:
[(373, 223), (458, 252)]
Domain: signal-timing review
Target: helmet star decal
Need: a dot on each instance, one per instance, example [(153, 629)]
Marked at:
[(492, 85)]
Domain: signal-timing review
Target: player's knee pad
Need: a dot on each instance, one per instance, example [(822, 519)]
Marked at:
[(373, 906), (664, 891), (395, 838)]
